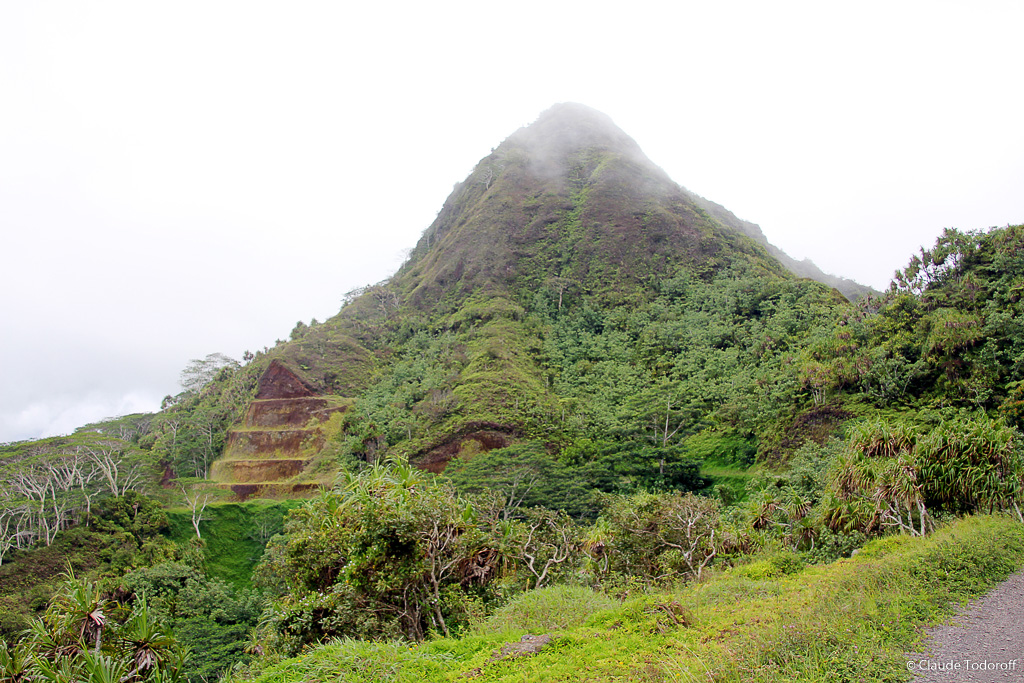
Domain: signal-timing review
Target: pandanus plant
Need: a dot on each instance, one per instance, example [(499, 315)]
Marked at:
[(77, 615), (85, 636), (15, 663), (963, 465), (146, 643)]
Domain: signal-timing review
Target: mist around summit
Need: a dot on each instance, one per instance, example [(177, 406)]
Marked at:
[(581, 380), (162, 203), (82, 391)]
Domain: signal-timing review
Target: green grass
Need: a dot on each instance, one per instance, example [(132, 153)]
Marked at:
[(852, 620), (731, 479), (547, 609), (234, 535), (720, 472)]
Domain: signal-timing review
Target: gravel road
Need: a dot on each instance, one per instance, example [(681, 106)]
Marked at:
[(984, 643)]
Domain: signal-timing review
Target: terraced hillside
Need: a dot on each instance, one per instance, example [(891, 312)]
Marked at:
[(283, 430)]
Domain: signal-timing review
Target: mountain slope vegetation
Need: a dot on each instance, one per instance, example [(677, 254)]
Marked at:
[(586, 379), (566, 275)]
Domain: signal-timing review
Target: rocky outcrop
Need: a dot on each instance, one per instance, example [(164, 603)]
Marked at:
[(278, 382), (473, 438)]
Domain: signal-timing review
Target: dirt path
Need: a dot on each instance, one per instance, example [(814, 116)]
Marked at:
[(983, 644)]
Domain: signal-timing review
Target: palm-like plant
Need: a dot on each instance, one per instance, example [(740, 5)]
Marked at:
[(852, 475), (972, 464), (899, 492), (804, 531), (145, 643), (883, 439), (15, 663), (388, 479), (56, 648), (102, 669), (962, 465), (849, 514), (77, 614), (64, 670), (595, 543), (48, 644)]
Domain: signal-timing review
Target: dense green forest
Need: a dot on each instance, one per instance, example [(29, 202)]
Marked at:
[(584, 381)]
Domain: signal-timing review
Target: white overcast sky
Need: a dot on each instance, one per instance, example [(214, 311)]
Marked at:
[(182, 178)]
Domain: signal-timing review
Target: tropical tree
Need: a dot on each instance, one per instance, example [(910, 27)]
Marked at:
[(387, 553), (658, 536), (201, 371)]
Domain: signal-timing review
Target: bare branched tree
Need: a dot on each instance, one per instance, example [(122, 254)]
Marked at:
[(438, 540), (118, 473), (489, 174), (551, 538), (197, 504)]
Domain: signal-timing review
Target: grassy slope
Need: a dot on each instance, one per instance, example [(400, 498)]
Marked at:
[(852, 620), (234, 535)]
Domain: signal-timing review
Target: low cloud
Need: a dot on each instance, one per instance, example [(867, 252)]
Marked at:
[(63, 414)]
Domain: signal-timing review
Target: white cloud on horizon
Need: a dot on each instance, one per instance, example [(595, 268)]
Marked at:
[(61, 415)]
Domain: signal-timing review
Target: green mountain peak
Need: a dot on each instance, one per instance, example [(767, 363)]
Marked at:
[(566, 129), (565, 227), (570, 197)]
